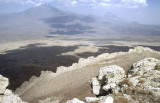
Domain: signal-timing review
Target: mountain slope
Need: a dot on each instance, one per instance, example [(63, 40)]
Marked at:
[(35, 23), (75, 78), (46, 20)]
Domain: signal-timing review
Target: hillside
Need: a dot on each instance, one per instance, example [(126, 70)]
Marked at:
[(45, 21), (72, 82)]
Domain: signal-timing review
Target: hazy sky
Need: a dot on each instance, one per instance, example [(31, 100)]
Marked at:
[(143, 11)]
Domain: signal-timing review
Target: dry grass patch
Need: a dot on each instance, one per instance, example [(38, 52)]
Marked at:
[(120, 100), (157, 66), (94, 102), (144, 76), (129, 91), (138, 90), (134, 75), (145, 72), (126, 81), (118, 94), (142, 81), (155, 79)]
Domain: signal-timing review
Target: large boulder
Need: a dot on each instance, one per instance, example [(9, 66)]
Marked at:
[(108, 78), (95, 86), (113, 73), (107, 99)]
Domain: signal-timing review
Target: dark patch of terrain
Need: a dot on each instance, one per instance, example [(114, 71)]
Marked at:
[(73, 26), (19, 65), (69, 18), (59, 23), (70, 32)]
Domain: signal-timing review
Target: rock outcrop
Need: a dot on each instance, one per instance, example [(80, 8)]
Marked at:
[(145, 78), (3, 84), (108, 79), (141, 84), (6, 95)]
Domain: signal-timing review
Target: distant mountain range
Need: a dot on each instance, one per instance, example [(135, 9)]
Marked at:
[(45, 20)]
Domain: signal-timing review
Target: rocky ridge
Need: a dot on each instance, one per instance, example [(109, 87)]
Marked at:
[(6, 95), (81, 63), (141, 84), (83, 70)]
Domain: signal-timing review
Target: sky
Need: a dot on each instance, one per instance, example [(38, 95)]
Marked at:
[(143, 11)]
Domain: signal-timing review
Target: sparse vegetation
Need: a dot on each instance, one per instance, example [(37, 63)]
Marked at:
[(142, 81), (128, 91), (145, 72), (138, 90), (120, 100), (118, 94), (155, 79), (157, 67), (144, 76), (96, 101), (149, 60), (134, 75), (126, 81)]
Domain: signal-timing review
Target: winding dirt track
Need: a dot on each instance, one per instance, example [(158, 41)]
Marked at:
[(71, 83)]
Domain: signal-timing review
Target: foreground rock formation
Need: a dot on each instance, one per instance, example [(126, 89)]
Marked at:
[(6, 95), (141, 84), (107, 79), (72, 82)]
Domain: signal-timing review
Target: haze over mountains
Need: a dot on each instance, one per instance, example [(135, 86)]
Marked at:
[(46, 20)]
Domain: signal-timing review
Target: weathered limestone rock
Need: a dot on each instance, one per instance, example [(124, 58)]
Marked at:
[(9, 97), (108, 78), (148, 76), (145, 65), (145, 78), (6, 96), (107, 99), (113, 73), (95, 86), (1, 96), (75, 100), (109, 86), (3, 84), (92, 99)]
